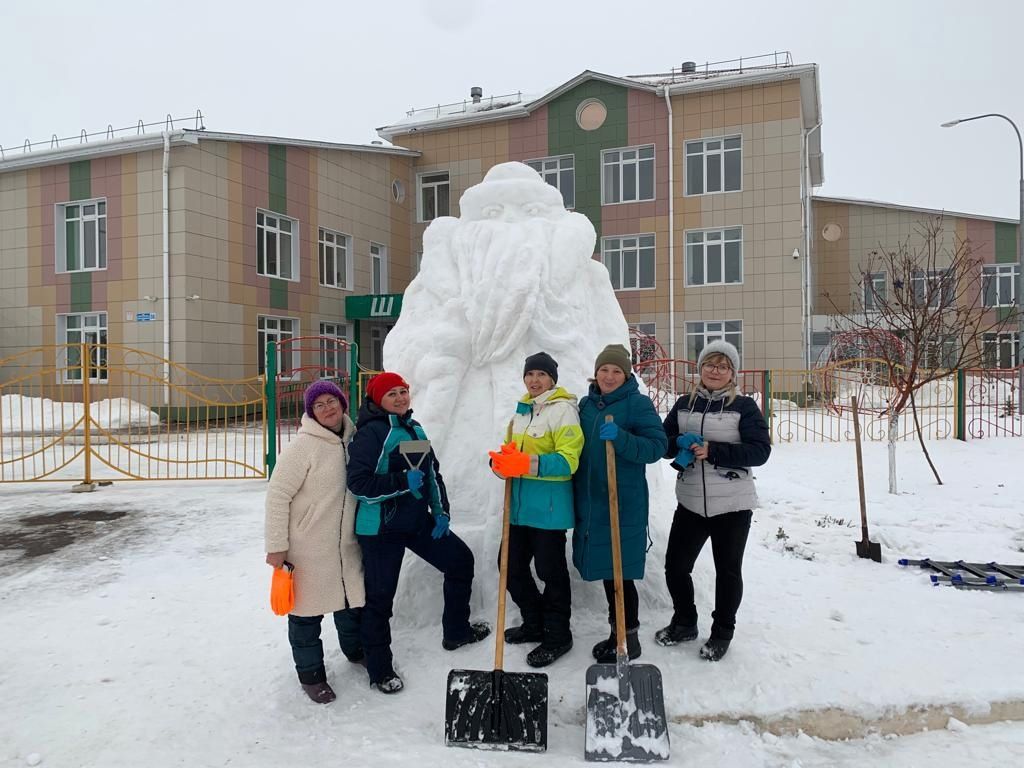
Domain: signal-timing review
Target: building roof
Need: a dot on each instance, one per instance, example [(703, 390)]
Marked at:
[(13, 161), (914, 209)]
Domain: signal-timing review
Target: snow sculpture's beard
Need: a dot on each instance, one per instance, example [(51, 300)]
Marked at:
[(503, 270)]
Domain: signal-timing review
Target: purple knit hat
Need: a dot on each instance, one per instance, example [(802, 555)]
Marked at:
[(323, 387)]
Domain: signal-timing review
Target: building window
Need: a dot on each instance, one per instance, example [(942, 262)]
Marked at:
[(81, 236), (378, 268), (628, 175), (874, 291), (699, 334), (417, 263), (933, 288), (999, 284), (591, 114), (714, 165), (560, 173), (433, 197), (277, 246), (280, 330), (75, 330), (1000, 350), (335, 261), (630, 261), (377, 335), (334, 338), (714, 256)]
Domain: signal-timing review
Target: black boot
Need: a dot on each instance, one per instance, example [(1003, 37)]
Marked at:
[(477, 632), (674, 634), (390, 683), (524, 634), (546, 653), (604, 651), (321, 693), (715, 648)]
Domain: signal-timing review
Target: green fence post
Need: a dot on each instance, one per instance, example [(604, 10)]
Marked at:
[(353, 377), (961, 405), (270, 369)]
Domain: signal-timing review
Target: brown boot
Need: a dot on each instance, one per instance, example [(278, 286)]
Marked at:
[(321, 693)]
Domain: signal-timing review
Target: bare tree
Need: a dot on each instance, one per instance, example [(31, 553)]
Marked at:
[(933, 298)]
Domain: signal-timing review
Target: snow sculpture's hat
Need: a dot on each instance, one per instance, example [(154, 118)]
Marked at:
[(323, 387), (614, 354), (383, 383), (509, 184), (720, 347), (542, 361)]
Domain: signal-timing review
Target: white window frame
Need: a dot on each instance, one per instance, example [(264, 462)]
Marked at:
[(330, 244), (267, 333), (94, 332), (417, 263), (329, 352), (611, 193), (98, 218), (698, 148), (921, 288), (378, 335), (379, 272), (265, 232), (710, 330), (709, 239), (617, 249), (552, 169), (425, 187), (998, 275), (994, 342), (874, 287)]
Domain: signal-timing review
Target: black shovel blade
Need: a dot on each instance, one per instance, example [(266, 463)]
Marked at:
[(869, 549), (497, 710), (626, 723)]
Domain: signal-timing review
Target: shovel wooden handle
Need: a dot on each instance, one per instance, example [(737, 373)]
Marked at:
[(499, 640), (613, 520), (860, 469)]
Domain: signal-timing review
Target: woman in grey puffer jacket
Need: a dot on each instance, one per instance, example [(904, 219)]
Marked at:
[(714, 436)]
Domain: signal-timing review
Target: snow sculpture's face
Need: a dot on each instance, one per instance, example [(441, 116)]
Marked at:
[(609, 378), (328, 412), (537, 382), (396, 401), (514, 209)]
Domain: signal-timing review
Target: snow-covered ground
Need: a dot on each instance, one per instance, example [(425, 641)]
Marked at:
[(147, 639)]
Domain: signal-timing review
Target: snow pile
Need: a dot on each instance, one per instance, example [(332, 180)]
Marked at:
[(34, 415)]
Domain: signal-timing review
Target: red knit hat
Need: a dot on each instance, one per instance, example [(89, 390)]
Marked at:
[(383, 383)]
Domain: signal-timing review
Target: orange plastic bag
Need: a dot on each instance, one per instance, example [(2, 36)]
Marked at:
[(282, 590)]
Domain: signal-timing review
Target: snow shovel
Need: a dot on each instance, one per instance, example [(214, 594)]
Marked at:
[(410, 448), (865, 548), (498, 709), (625, 702)]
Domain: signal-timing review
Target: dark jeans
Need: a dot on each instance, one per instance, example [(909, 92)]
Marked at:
[(382, 563), (728, 534), (552, 609), (308, 651), (629, 597)]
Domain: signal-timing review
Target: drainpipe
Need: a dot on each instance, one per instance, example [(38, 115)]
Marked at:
[(671, 243), (166, 270), (806, 179)]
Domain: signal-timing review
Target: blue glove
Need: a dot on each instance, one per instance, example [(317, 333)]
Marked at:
[(441, 526), (684, 458), (609, 431), (414, 477), (688, 440)]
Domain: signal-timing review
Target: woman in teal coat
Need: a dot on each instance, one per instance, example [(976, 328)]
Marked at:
[(639, 439)]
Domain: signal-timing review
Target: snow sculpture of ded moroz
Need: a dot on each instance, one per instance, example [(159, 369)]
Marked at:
[(512, 276)]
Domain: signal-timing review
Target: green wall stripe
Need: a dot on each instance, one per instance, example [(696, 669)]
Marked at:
[(80, 178), (277, 178), (1006, 243), (565, 137), (81, 291), (278, 293)]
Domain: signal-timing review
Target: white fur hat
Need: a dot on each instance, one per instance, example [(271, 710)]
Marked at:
[(720, 347)]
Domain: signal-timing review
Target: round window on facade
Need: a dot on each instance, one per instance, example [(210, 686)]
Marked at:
[(832, 232), (591, 114), (398, 191)]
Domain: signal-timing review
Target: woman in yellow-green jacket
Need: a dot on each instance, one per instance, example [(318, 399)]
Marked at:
[(541, 457)]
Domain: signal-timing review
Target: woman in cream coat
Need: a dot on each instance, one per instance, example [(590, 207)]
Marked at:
[(310, 522)]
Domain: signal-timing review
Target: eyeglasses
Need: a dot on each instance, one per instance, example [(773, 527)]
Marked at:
[(324, 405), (717, 367)]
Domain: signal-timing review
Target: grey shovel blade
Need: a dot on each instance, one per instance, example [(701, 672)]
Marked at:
[(497, 710), (626, 723), (410, 448)]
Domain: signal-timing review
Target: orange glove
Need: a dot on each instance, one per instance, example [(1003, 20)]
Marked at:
[(513, 463), (282, 590)]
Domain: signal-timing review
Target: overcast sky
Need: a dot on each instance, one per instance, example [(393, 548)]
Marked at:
[(891, 72)]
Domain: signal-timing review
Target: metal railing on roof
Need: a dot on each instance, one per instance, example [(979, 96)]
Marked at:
[(110, 133), (459, 107), (690, 71)]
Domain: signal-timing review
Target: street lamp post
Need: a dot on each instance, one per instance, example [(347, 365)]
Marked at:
[(1020, 243)]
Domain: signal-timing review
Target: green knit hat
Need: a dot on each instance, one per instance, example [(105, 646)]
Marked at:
[(617, 355)]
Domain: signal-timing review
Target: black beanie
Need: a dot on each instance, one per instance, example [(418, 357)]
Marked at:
[(542, 361)]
